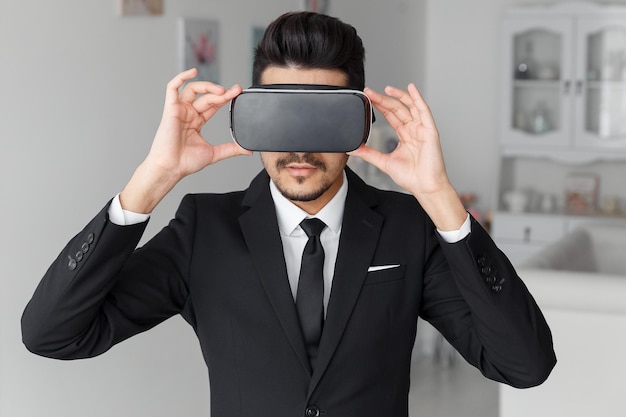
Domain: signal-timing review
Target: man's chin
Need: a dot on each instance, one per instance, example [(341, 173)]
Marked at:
[(302, 196), (302, 193)]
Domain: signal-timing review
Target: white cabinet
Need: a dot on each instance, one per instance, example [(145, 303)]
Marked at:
[(564, 82), (520, 235), (563, 113)]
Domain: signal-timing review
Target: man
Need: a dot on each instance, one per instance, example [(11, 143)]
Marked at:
[(230, 263)]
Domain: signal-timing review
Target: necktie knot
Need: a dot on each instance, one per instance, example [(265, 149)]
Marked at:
[(312, 226)]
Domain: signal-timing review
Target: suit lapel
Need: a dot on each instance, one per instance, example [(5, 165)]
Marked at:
[(359, 239), (261, 233)]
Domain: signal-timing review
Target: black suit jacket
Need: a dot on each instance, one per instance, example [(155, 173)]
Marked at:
[(219, 264)]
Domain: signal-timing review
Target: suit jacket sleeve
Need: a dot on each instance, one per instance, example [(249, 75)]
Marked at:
[(486, 311), (95, 294)]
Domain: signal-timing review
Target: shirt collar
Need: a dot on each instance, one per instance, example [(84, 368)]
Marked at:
[(289, 215)]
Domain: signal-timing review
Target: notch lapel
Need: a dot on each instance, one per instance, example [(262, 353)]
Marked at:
[(260, 229)]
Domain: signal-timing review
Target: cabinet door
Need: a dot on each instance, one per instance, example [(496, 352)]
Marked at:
[(537, 84), (527, 228), (521, 235), (518, 253), (601, 84)]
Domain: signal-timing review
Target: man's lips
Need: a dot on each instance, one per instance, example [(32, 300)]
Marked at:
[(300, 165), (300, 169)]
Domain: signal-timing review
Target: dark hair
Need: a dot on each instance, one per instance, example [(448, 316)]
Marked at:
[(311, 41)]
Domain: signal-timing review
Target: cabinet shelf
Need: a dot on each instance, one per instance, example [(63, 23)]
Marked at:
[(608, 84), (536, 83), (596, 214), (556, 84), (566, 156)]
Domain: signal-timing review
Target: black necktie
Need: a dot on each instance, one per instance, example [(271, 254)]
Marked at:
[(310, 295)]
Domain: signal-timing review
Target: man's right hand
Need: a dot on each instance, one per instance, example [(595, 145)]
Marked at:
[(178, 148)]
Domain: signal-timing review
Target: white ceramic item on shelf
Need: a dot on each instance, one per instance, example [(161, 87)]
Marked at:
[(516, 200)]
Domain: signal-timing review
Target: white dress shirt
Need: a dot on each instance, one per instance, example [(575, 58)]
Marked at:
[(293, 237)]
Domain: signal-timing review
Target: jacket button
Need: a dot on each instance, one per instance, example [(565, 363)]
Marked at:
[(481, 261), (312, 411), (496, 288), (79, 255), (486, 270), (85, 247), (71, 263), (90, 238)]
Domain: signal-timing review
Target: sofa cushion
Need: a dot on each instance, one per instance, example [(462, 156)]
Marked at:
[(573, 252), (609, 248)]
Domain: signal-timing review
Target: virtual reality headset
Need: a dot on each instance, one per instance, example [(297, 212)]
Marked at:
[(300, 118)]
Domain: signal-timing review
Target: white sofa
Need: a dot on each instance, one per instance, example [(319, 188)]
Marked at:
[(580, 284)]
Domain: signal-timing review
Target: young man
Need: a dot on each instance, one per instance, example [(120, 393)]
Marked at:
[(230, 263)]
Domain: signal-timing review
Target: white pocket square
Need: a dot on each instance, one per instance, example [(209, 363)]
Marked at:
[(381, 267)]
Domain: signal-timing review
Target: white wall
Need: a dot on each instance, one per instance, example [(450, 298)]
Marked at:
[(461, 82), (81, 97)]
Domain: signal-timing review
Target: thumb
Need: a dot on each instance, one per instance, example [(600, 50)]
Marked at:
[(228, 150), (370, 155)]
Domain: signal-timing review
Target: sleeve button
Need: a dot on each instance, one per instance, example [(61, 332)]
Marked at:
[(71, 263), (312, 411)]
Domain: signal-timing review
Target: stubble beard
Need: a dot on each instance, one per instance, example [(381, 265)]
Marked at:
[(305, 195)]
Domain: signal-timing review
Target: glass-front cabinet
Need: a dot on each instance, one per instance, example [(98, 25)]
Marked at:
[(601, 109), (564, 89), (537, 73), (562, 123)]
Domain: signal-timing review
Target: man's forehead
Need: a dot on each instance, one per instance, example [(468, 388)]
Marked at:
[(296, 75)]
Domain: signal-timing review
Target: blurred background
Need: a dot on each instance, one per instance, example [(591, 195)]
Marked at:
[(82, 92)]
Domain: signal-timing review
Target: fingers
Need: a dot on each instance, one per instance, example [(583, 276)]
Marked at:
[(171, 92), (394, 110), (401, 107), (203, 97), (421, 107), (193, 89), (208, 104)]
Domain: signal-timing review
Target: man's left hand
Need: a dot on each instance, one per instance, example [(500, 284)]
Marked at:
[(417, 163)]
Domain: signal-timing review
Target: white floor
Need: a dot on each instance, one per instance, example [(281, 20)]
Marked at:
[(442, 390)]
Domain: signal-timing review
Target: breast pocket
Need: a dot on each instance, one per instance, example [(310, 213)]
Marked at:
[(385, 273)]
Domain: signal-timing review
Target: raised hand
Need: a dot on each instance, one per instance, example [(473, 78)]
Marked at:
[(417, 163), (178, 148)]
